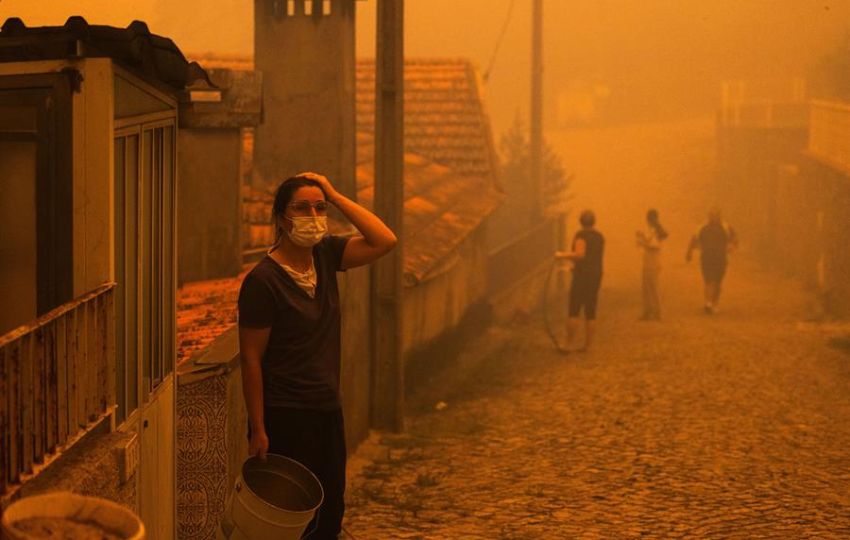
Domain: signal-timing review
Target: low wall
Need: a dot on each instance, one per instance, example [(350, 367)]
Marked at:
[(211, 436), (90, 467)]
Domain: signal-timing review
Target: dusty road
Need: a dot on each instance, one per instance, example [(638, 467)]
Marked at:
[(731, 426)]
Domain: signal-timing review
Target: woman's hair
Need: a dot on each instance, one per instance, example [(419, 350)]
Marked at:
[(587, 218), (652, 219), (283, 196)]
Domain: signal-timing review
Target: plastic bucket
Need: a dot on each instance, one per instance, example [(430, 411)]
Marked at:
[(69, 512), (273, 498)]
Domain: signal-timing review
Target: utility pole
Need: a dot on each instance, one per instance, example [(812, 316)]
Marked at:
[(387, 286), (536, 136)]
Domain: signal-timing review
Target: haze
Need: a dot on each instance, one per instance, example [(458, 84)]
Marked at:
[(656, 58)]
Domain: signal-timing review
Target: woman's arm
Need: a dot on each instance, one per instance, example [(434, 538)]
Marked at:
[(578, 253), (375, 240), (649, 241), (252, 347), (691, 247)]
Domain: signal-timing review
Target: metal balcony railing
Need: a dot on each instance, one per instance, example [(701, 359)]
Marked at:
[(829, 137), (764, 104), (765, 115), (57, 381)]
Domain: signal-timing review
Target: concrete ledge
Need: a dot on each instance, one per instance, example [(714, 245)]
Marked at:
[(90, 467), (221, 357)]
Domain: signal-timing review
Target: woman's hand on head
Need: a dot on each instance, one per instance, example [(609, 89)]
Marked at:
[(258, 445), (327, 187)]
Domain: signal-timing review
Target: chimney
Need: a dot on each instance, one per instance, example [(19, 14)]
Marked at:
[(305, 50)]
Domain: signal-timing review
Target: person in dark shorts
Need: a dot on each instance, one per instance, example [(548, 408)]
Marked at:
[(715, 240), (586, 255), (289, 335)]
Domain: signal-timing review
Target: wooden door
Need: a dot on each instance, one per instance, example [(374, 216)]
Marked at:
[(157, 466)]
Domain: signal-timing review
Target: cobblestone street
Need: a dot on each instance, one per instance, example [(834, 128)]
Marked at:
[(728, 426)]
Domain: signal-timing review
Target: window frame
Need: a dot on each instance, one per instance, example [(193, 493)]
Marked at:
[(155, 217), (51, 93)]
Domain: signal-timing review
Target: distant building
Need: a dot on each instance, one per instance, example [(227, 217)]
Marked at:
[(762, 127), (815, 204), (784, 176)]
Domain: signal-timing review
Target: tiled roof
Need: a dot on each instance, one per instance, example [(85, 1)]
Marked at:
[(445, 119), (445, 116), (441, 209), (223, 61), (149, 55), (205, 309), (449, 164)]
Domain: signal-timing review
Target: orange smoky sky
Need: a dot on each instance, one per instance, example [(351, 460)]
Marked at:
[(651, 58)]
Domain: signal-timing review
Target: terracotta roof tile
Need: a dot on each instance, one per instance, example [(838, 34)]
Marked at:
[(205, 310), (445, 116)]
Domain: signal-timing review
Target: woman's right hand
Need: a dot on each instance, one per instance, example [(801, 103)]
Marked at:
[(258, 445)]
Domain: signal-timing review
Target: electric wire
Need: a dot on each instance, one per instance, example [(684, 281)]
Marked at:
[(501, 37)]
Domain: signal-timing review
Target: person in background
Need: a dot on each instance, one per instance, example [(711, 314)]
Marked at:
[(586, 254), (715, 240), (650, 240), (289, 335)]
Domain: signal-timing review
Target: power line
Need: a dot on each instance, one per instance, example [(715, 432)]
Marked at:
[(499, 41)]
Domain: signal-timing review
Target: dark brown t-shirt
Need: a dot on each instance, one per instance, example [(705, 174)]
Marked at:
[(302, 361), (590, 266)]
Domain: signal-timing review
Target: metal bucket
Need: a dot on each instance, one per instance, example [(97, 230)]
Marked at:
[(60, 506), (274, 499)]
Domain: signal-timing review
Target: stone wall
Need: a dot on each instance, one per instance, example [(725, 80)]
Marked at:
[(90, 467)]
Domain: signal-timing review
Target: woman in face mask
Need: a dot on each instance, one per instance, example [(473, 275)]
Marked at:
[(289, 334)]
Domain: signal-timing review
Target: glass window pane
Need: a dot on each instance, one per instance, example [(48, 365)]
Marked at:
[(168, 214), (146, 260), (18, 271), (131, 272), (156, 261), (120, 289), (18, 118)]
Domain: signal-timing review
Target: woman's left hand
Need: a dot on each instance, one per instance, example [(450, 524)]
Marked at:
[(330, 192)]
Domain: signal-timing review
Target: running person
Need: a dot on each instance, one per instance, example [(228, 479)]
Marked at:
[(587, 250), (714, 240)]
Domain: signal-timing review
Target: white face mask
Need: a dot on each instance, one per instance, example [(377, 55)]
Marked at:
[(307, 231)]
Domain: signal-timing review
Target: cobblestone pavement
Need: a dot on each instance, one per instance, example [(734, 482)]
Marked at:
[(728, 426)]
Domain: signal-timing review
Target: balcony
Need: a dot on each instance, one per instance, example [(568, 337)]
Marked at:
[(57, 382), (829, 138), (764, 104)]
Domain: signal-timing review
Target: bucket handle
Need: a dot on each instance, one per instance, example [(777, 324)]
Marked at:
[(315, 523)]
